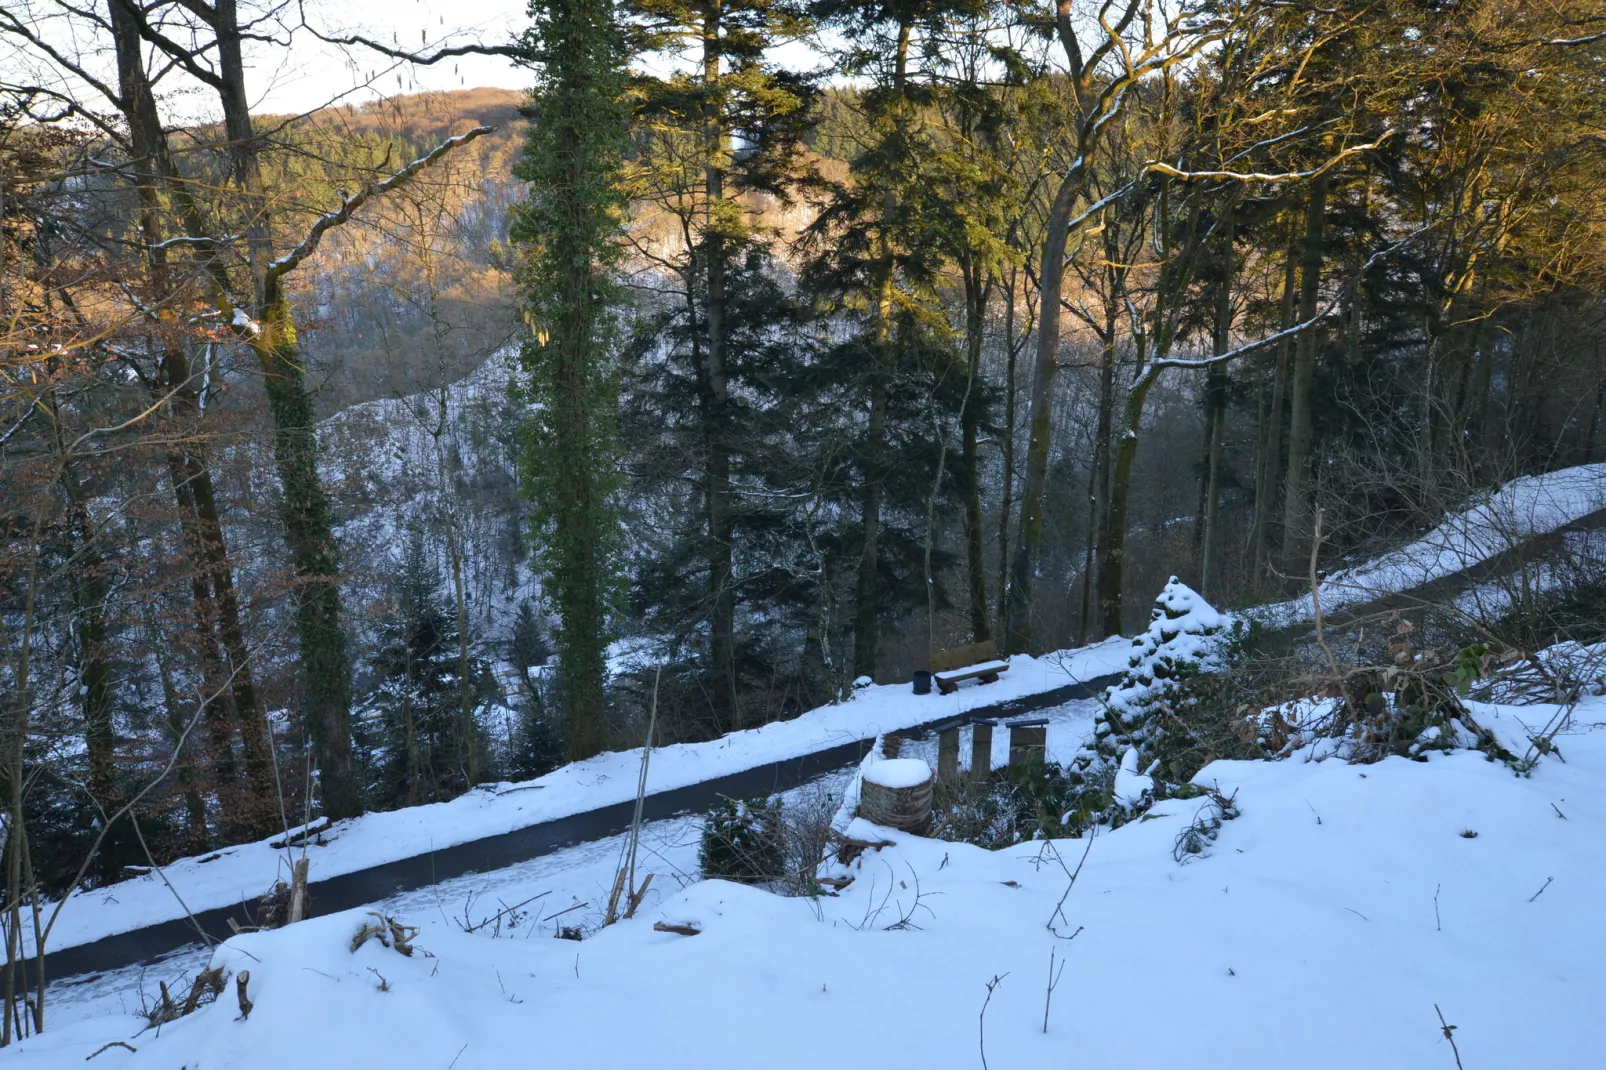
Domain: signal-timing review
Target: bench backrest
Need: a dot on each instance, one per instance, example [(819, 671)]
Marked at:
[(961, 656)]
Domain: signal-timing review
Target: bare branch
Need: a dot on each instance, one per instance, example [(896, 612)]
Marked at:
[(329, 220)]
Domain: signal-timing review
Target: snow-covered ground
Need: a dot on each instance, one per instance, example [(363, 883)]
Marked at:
[(1499, 521), (573, 883), (238, 874), (1326, 927)]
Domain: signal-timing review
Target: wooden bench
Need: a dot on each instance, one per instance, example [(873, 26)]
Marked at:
[(978, 661)]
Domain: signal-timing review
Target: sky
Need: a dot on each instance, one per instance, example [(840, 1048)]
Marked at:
[(318, 73), (315, 74)]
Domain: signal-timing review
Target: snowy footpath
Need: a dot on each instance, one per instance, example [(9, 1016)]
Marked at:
[(243, 873), (1328, 926)]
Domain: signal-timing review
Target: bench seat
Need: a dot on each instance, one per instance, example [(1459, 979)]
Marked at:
[(986, 671)]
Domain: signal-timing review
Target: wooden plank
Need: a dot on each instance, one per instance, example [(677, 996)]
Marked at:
[(948, 754), (1027, 742), (981, 750)]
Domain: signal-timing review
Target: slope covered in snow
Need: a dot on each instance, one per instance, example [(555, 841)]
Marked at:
[(238, 874), (1326, 927), (1499, 521)]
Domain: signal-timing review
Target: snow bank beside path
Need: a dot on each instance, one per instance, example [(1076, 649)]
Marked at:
[(1319, 931), (239, 874), (1501, 520)]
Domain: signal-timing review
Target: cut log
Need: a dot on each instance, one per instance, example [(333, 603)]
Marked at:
[(897, 794)]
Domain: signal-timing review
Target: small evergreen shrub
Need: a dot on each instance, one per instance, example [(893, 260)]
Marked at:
[(1177, 703), (1027, 801), (743, 840)]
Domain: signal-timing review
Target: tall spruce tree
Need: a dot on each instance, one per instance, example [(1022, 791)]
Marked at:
[(876, 262), (570, 226), (707, 139)]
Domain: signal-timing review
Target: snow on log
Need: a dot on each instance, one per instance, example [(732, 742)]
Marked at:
[(897, 794)]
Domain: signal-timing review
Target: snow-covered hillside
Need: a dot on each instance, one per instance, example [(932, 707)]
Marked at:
[(1326, 927), (1499, 521), (403, 464)]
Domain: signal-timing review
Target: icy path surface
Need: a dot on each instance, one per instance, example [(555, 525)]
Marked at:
[(574, 883), (242, 873), (1319, 932)]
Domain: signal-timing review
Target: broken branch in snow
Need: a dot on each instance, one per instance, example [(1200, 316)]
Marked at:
[(241, 979), (110, 1044), (679, 930)]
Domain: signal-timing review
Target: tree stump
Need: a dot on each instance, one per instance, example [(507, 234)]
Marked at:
[(897, 794)]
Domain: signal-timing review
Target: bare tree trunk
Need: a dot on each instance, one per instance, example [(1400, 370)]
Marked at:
[(1045, 368), (1112, 569), (197, 836), (1216, 405), (1269, 472), (1006, 507), (976, 295), (1099, 481), (1296, 495)]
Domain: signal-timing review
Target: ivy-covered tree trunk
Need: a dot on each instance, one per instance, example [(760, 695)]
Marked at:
[(315, 558), (571, 225), (867, 626), (1216, 386), (269, 331)]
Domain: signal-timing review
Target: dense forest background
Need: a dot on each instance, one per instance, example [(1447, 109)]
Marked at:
[(355, 458)]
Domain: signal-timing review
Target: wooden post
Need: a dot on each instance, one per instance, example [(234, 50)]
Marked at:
[(948, 754), (981, 750), (1027, 742), (298, 891)]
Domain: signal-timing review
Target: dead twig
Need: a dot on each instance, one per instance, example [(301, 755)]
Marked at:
[(1449, 1034), (679, 930), (981, 1021), (504, 911), (1541, 890), (1053, 983), (637, 896), (1059, 908)]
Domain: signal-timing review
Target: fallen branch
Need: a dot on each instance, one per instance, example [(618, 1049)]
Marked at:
[(679, 930), (110, 1044)]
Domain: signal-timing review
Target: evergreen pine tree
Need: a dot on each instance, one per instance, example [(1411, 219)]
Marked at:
[(707, 138), (418, 753)]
